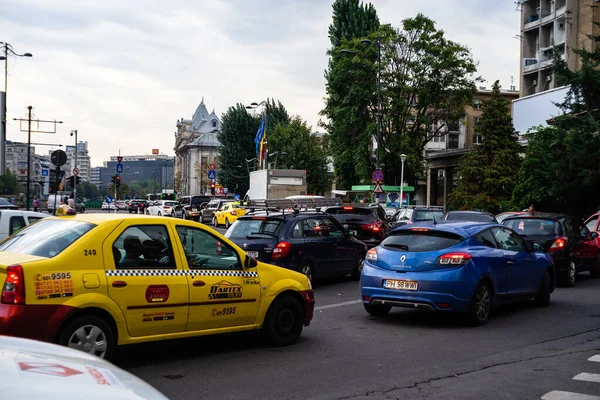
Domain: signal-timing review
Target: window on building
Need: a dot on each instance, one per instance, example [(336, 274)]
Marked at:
[(453, 141), (477, 105), (214, 123), (477, 139)]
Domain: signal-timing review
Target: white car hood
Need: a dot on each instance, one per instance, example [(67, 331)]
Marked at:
[(40, 371)]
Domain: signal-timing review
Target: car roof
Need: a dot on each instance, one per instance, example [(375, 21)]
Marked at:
[(103, 218), (469, 212), (280, 215), (462, 228), (23, 212)]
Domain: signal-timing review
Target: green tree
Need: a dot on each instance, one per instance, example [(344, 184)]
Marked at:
[(346, 107), (87, 190), (304, 151), (487, 174), (560, 171), (9, 183), (122, 190)]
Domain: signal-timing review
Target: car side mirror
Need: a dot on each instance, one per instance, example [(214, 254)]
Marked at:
[(537, 247), (389, 218), (250, 262), (595, 235)]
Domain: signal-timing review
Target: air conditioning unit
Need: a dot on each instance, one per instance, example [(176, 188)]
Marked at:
[(548, 78), (561, 25)]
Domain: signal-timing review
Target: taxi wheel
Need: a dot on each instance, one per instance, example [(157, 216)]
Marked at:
[(227, 224), (91, 335), (284, 322)]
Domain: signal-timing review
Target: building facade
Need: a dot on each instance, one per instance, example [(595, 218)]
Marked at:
[(16, 162), (196, 147), (95, 175), (545, 24), (446, 149), (161, 170)]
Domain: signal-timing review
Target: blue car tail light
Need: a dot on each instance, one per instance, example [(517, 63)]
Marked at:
[(372, 255), (454, 258)]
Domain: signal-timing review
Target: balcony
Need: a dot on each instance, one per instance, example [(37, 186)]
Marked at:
[(530, 65), (561, 11), (532, 22)]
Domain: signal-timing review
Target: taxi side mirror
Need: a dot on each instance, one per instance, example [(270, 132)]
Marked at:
[(250, 262)]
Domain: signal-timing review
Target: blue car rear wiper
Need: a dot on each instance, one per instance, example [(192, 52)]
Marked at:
[(396, 246)]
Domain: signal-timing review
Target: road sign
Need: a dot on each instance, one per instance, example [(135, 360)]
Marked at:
[(225, 190), (378, 188), (58, 157), (119, 159), (212, 174), (236, 196), (119, 168), (108, 199), (45, 172), (212, 167), (377, 176), (76, 171)]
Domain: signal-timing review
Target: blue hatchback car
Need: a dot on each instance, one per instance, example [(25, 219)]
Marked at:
[(464, 267)]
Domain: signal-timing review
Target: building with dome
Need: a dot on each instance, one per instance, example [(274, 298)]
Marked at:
[(196, 147)]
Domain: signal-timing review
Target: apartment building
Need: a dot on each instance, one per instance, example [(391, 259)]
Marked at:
[(83, 160), (16, 162), (545, 24)]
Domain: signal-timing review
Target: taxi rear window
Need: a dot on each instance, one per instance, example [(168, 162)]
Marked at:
[(46, 238)]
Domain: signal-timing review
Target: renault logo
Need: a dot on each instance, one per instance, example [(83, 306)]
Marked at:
[(245, 245), (403, 258)]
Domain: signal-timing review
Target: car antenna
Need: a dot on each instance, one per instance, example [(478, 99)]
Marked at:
[(434, 220)]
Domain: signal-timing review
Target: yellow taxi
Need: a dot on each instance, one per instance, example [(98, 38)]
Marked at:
[(95, 281), (229, 213)]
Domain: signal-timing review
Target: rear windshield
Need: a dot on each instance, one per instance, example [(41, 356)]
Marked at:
[(427, 215), (199, 200), (170, 203), (352, 214), (409, 240), (534, 226), (253, 227), (4, 202), (46, 238), (458, 216)]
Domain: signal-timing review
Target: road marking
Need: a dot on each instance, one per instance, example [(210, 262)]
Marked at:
[(344, 303), (587, 377), (560, 395), (595, 358)]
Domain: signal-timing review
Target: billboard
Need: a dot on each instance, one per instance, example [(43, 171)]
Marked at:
[(155, 152)]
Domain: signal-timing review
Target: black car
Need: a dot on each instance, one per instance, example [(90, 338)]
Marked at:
[(312, 243), (7, 205), (189, 207), (409, 216), (369, 224), (136, 205), (472, 216), (569, 242)]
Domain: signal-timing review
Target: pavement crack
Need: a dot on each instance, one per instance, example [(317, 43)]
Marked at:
[(417, 384)]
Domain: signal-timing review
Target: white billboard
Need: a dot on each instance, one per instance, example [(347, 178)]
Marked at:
[(536, 109)]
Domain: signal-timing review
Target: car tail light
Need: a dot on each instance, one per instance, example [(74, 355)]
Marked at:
[(558, 244), (372, 255), (233, 212), (454, 259), (419, 229), (13, 291), (348, 208), (281, 250), (376, 227)]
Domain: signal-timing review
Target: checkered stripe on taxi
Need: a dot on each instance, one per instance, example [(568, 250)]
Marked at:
[(176, 272)]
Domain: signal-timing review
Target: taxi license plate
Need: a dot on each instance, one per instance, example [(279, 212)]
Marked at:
[(253, 254), (400, 285)]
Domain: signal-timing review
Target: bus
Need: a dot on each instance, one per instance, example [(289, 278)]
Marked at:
[(161, 196)]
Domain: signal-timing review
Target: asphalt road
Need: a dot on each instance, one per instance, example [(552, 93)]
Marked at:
[(524, 352)]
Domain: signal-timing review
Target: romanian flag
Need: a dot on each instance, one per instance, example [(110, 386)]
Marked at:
[(261, 141)]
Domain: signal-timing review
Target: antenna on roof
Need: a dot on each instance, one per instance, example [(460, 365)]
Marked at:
[(434, 220)]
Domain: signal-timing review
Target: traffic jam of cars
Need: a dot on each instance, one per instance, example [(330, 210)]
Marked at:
[(93, 282)]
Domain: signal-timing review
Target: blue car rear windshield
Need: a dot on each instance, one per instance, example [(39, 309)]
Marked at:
[(420, 241), (46, 238)]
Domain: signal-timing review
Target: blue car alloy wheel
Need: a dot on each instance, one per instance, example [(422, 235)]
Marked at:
[(462, 267)]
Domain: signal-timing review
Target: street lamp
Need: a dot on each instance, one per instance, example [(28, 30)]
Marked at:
[(276, 155), (402, 158), (74, 133), (367, 42), (253, 106), (7, 48)]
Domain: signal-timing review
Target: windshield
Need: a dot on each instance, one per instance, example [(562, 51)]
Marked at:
[(353, 214), (462, 216), (534, 226), (170, 203), (408, 240), (46, 238), (4, 202), (249, 227), (427, 215)]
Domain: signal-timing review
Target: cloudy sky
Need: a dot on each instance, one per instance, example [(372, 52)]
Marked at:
[(122, 72)]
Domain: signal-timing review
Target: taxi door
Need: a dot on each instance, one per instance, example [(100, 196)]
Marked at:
[(222, 293), (144, 278)]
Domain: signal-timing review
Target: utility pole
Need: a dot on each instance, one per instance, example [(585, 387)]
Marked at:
[(29, 130), (74, 132)]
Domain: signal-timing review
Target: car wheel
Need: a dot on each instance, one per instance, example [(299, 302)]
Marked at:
[(82, 210), (91, 335), (147, 212), (543, 296), (284, 321), (595, 270), (159, 214), (215, 223), (377, 310), (481, 305), (227, 224), (307, 270), (570, 275), (355, 274)]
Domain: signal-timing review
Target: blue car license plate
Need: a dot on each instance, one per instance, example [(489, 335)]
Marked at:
[(400, 285)]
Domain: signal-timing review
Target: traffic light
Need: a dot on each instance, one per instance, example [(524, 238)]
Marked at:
[(71, 181), (118, 178), (212, 188), (77, 180), (113, 179)]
